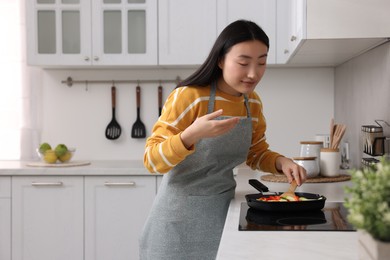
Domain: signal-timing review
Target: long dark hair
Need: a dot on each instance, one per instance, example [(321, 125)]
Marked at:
[(236, 32)]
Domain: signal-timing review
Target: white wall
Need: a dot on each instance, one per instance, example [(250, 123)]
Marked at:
[(298, 103), (362, 95)]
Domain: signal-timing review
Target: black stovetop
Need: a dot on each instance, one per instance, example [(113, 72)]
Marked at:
[(333, 217)]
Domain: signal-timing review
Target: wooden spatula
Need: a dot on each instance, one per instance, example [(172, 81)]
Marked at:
[(291, 190)]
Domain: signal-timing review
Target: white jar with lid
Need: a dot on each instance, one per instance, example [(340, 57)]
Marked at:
[(310, 164), (310, 149)]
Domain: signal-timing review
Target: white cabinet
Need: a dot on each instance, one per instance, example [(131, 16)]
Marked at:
[(262, 12), (115, 211), (329, 32), (47, 218), (124, 32), (291, 21), (5, 218), (87, 32), (187, 31)]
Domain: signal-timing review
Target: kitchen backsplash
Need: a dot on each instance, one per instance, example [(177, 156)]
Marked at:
[(362, 95), (298, 104)]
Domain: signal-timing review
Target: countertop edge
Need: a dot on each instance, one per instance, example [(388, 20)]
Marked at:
[(98, 167)]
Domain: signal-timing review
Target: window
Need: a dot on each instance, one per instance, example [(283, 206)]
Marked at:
[(11, 66)]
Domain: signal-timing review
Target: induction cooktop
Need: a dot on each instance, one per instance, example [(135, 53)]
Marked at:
[(333, 217)]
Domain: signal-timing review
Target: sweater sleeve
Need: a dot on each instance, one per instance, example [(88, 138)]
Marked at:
[(260, 157), (164, 148)]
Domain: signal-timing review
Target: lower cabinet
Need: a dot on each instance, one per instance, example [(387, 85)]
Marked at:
[(5, 218), (5, 229), (47, 218), (115, 211), (75, 217)]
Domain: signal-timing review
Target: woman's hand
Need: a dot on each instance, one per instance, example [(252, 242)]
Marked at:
[(291, 170), (206, 126)]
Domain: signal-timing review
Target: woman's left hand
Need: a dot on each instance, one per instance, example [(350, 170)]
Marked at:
[(291, 170)]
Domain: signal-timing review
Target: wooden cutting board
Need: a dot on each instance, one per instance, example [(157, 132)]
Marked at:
[(59, 165)]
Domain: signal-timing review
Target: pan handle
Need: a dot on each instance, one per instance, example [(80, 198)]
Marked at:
[(258, 185)]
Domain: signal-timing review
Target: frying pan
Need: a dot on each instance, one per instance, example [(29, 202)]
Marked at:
[(315, 202)]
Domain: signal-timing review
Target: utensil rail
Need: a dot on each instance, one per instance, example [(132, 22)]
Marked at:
[(70, 81)]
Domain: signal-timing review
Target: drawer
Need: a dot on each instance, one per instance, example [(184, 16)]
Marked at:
[(5, 187)]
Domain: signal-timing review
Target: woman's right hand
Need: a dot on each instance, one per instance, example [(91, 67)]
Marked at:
[(206, 126)]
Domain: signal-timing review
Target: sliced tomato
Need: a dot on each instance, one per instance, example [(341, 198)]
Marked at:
[(279, 198)]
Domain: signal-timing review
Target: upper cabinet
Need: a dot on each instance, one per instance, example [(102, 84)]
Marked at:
[(187, 31), (86, 32), (175, 32), (262, 12), (329, 32)]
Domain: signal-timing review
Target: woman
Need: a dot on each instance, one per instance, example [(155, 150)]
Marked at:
[(210, 123)]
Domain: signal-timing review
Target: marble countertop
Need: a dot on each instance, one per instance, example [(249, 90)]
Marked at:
[(319, 245), (130, 167)]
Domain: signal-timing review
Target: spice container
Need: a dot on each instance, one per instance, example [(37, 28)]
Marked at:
[(373, 140)]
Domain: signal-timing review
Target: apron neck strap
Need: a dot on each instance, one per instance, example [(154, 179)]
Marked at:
[(213, 91)]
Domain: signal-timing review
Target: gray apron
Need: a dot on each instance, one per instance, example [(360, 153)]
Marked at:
[(189, 212)]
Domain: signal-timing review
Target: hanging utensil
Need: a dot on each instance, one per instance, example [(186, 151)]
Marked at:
[(113, 130), (138, 130), (159, 100)]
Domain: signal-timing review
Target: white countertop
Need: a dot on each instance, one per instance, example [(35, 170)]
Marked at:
[(318, 245), (130, 167)]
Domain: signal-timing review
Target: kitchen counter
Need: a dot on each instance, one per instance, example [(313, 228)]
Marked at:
[(128, 167), (234, 244), (276, 245)]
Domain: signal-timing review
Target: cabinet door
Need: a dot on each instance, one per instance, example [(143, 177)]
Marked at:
[(47, 218), (262, 12), (5, 229), (124, 32), (291, 28), (58, 32), (115, 211), (187, 31), (5, 218)]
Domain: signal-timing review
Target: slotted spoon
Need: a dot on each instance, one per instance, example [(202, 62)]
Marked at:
[(113, 130), (138, 130)]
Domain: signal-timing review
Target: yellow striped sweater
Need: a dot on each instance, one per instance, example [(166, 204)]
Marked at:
[(164, 148)]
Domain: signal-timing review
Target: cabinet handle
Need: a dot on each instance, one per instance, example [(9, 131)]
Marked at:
[(95, 58), (86, 58), (293, 38), (286, 51), (131, 183), (47, 183)]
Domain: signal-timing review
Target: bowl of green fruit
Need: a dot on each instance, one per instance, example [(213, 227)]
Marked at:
[(60, 154)]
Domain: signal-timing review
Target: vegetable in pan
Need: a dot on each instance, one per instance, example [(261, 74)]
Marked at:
[(280, 198)]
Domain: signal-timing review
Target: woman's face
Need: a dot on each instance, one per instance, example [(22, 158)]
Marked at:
[(243, 67)]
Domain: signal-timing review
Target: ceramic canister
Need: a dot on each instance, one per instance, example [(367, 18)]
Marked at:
[(330, 162), (310, 164), (310, 149)]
